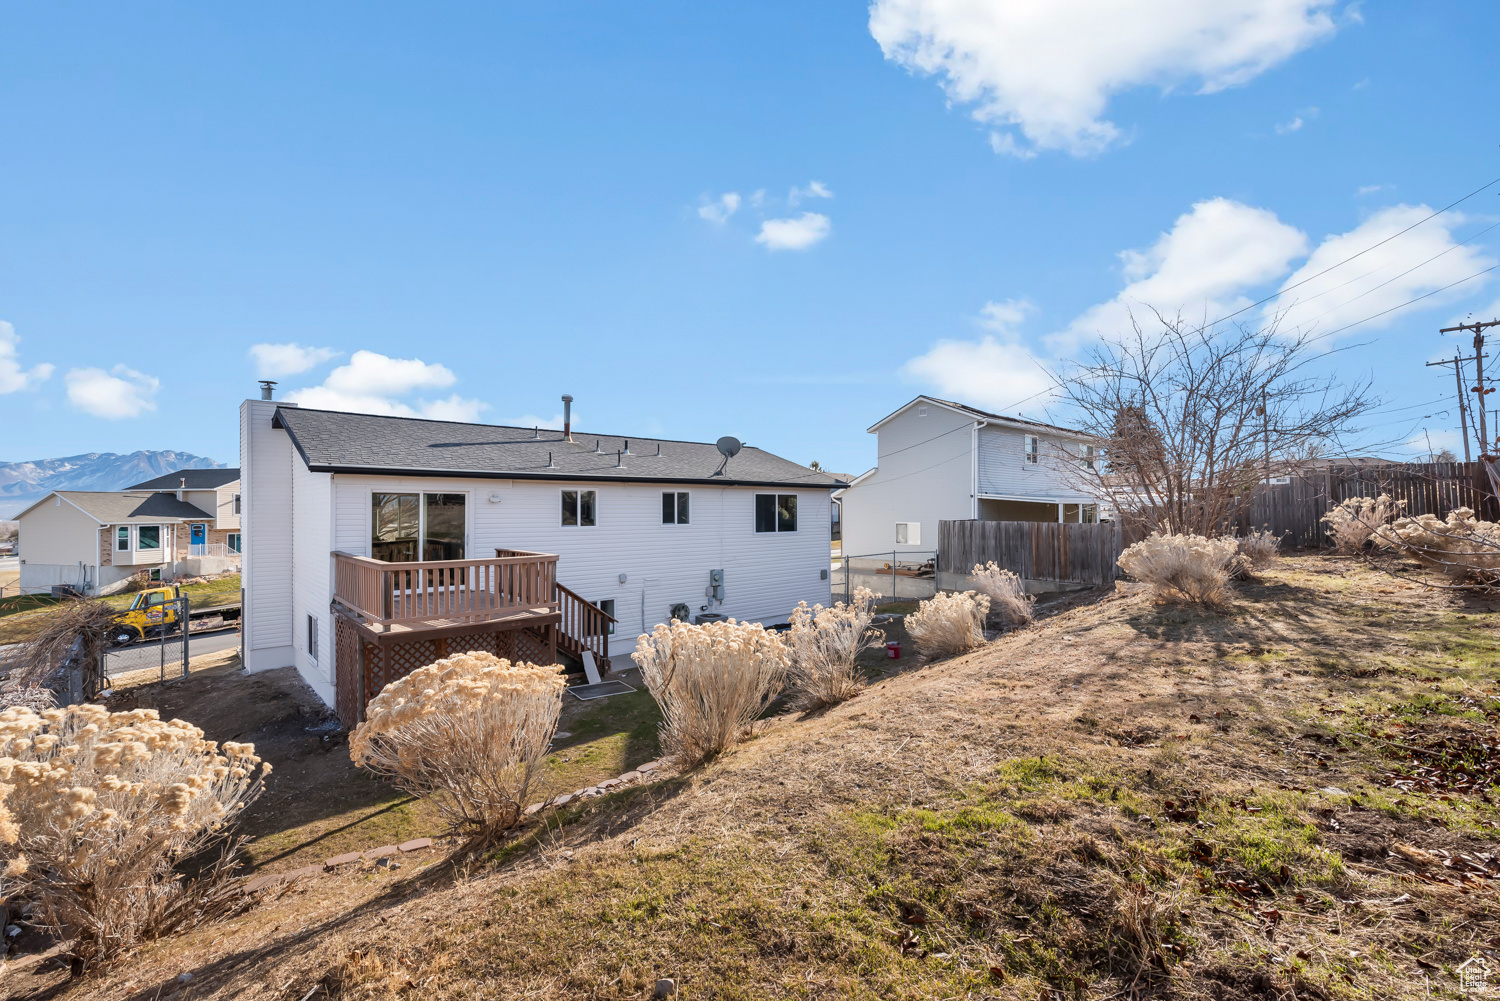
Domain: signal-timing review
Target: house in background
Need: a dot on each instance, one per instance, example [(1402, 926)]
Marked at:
[(943, 461), (379, 544), (183, 524)]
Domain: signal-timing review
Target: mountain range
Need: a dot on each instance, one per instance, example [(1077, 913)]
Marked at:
[(24, 483)]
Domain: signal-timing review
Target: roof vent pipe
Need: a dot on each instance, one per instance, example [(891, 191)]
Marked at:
[(181, 486), (627, 446), (267, 387), (567, 417), (620, 460)]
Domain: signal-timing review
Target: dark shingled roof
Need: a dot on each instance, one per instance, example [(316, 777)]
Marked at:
[(118, 507), (197, 479), (334, 442)]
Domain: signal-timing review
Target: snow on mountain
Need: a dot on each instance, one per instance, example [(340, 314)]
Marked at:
[(24, 483)]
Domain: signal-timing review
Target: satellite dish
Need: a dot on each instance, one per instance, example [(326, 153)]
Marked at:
[(730, 447)]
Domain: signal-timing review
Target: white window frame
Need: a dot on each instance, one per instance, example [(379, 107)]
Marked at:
[(578, 508), (160, 541), (236, 505), (421, 517), (312, 637), (1032, 449), (239, 541), (677, 496), (1087, 456), (125, 529), (912, 532)]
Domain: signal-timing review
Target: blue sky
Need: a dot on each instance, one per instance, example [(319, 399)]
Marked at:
[(773, 220)]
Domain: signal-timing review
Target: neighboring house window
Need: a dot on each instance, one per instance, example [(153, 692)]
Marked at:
[(1033, 447), (148, 537), (578, 507), (1090, 514), (607, 606), (155, 576), (122, 538), (236, 503), (232, 541), (1086, 456), (674, 508), (908, 533), (312, 638), (775, 512), (405, 528)]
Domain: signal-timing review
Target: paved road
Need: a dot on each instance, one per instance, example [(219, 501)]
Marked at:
[(198, 643)]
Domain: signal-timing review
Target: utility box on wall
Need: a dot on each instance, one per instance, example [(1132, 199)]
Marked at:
[(716, 585)]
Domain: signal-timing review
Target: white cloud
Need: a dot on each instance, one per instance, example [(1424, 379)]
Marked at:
[(1295, 125), (1384, 277), (794, 234), (719, 210), (14, 378), (372, 383), (1204, 264), (814, 189), (277, 361), (119, 393), (994, 373), (1046, 69), (1370, 189), (1005, 316)]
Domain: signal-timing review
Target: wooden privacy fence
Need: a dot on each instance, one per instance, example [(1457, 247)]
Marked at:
[(1033, 550), (1294, 510)]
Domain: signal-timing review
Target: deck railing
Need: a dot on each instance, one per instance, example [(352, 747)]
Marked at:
[(445, 589), (584, 626)]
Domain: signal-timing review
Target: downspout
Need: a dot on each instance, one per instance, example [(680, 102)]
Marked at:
[(974, 469)]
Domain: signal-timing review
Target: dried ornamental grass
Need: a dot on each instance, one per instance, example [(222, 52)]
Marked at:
[(1355, 520), (470, 730), (711, 682), (1183, 569), (1008, 598), (1260, 548), (102, 804), (1460, 546), (949, 623), (823, 645)]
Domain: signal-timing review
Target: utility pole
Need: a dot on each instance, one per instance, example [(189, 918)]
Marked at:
[(1458, 379), (1266, 427), (1478, 329)]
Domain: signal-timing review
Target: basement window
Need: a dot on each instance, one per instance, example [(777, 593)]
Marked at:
[(775, 512), (674, 508), (578, 507), (607, 606), (312, 638)]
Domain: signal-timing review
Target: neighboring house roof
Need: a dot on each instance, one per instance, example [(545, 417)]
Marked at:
[(335, 442), (116, 507), (983, 415), (197, 479)]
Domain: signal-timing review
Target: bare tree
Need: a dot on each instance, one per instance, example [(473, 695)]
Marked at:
[(1191, 419)]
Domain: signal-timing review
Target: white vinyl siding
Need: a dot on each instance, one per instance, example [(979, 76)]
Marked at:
[(1005, 470), (765, 574), (312, 573), (266, 460)]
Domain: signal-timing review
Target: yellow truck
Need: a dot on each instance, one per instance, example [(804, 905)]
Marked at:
[(157, 610)]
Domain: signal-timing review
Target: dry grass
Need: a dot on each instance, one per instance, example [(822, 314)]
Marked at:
[(711, 682), (1354, 521), (976, 827), (1183, 569), (1008, 598), (823, 648), (949, 623), (470, 730)]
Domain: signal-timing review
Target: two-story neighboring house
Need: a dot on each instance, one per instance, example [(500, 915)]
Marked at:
[(376, 545), (182, 524), (939, 460)]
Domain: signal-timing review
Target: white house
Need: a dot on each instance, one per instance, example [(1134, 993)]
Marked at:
[(187, 522), (376, 544), (939, 460)]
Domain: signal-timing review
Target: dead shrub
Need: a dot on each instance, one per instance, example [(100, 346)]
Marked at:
[(1008, 598), (949, 623), (1183, 569), (711, 682), (1259, 548), (102, 805), (74, 638), (1139, 928), (822, 647), (1459, 546), (1354, 521), (471, 731)]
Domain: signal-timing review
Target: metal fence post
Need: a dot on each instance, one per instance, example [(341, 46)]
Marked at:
[(186, 625)]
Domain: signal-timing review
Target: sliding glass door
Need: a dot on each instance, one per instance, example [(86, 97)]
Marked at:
[(405, 528)]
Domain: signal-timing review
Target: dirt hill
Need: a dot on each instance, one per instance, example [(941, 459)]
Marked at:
[(1294, 799)]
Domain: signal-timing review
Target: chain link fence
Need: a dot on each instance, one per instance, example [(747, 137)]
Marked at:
[(163, 650), (909, 575)]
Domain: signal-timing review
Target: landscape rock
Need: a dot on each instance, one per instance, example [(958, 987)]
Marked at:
[(417, 844), (533, 808), (630, 777), (338, 860), (666, 987), (649, 766), (381, 852)]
